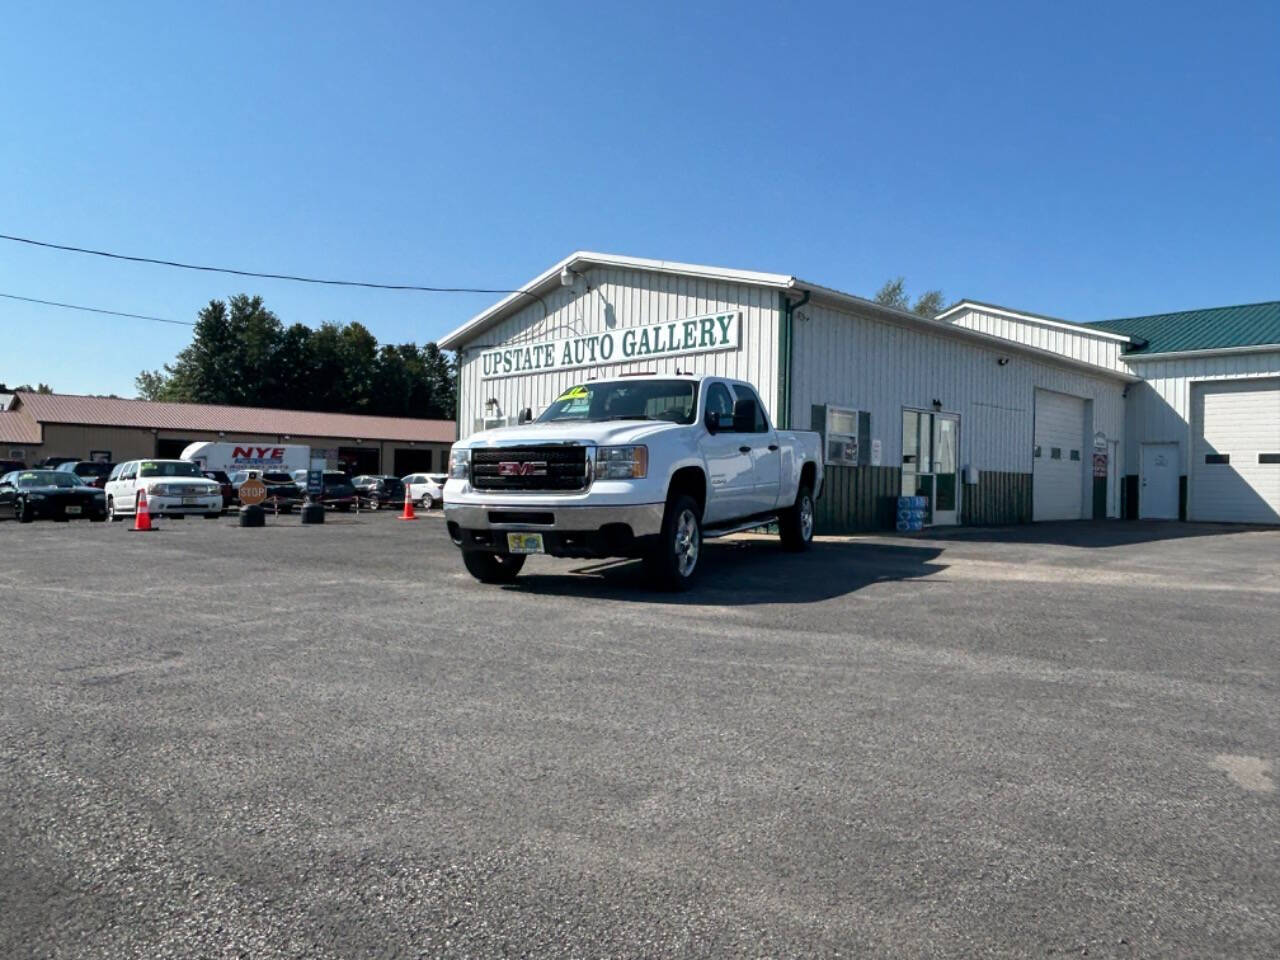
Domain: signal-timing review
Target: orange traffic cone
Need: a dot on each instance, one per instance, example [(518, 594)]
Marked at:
[(142, 516), (408, 507)]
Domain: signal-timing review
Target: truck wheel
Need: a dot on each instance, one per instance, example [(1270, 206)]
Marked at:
[(493, 567), (795, 524), (111, 510), (675, 564)]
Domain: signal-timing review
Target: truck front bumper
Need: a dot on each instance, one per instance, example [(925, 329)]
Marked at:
[(567, 531)]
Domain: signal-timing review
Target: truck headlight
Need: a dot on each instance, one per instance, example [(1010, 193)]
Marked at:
[(459, 463), (159, 490), (622, 463)]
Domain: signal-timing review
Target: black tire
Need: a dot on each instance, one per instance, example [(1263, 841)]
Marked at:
[(675, 563), (212, 516), (99, 519), (493, 567), (23, 512), (795, 524), (111, 510), (425, 502), (343, 508)]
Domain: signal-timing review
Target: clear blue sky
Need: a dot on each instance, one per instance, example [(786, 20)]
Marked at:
[(1081, 160)]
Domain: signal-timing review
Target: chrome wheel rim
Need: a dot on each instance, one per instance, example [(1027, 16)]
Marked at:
[(688, 542), (806, 517)]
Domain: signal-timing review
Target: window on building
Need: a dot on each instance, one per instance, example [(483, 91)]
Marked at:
[(842, 436), (1055, 453), (1075, 454), (1219, 458), (1269, 458)]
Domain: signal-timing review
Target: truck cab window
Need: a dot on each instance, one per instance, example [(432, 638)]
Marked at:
[(720, 401)]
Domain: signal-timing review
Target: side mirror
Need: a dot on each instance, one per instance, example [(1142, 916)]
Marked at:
[(713, 421), (744, 415), (526, 415)]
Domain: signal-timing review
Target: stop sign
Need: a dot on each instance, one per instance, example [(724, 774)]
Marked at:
[(253, 492)]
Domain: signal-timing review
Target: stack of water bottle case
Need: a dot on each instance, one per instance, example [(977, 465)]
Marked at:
[(911, 512)]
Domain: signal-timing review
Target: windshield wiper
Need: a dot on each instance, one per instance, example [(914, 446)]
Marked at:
[(628, 416)]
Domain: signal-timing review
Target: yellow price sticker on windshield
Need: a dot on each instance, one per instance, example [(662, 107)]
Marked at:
[(573, 393)]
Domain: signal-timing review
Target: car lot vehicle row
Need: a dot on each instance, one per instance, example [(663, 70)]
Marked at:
[(180, 488)]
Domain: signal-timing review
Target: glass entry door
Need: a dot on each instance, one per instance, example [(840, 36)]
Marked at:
[(931, 463)]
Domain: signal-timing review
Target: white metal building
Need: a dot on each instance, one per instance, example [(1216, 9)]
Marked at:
[(990, 429), (1202, 424)]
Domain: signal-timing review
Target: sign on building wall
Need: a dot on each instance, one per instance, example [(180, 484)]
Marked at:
[(704, 334)]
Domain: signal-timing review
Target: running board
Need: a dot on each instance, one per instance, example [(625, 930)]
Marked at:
[(761, 520)]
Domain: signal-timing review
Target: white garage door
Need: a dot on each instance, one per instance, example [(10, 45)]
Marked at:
[(1057, 470), (1235, 454)]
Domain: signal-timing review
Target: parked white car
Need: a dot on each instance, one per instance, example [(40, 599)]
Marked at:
[(631, 467), (175, 488), (425, 489)]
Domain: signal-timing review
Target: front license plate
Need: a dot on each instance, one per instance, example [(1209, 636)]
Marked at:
[(190, 501), (73, 511), (525, 543)]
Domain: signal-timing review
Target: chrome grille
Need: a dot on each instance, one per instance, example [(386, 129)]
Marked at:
[(533, 467)]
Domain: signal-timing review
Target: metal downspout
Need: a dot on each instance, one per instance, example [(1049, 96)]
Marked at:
[(787, 338)]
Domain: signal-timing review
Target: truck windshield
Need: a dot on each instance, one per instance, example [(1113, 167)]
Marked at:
[(675, 401), (168, 468)]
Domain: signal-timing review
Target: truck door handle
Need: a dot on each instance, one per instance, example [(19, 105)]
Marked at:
[(744, 449), (773, 447)]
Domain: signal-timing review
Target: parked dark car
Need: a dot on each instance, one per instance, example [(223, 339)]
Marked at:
[(53, 463), (224, 484), (92, 473), (380, 491), (282, 492), (338, 494), (27, 495), (8, 465)]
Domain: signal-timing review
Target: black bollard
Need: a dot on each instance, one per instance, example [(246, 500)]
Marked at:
[(253, 516), (313, 513)]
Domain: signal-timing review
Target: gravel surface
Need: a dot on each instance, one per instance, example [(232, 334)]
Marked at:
[(329, 742)]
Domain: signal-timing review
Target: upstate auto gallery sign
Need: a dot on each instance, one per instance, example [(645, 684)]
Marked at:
[(704, 334)]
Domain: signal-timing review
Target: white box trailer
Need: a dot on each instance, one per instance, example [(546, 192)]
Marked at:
[(267, 457)]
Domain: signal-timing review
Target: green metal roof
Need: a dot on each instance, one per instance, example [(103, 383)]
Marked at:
[(1215, 328)]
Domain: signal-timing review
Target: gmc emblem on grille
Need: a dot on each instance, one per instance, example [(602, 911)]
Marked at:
[(526, 468)]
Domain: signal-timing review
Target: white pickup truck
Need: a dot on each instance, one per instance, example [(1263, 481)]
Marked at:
[(640, 466)]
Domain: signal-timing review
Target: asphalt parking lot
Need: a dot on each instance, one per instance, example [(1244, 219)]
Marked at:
[(329, 742)]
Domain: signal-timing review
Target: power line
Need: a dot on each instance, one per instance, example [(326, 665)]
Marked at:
[(110, 313), (267, 276)]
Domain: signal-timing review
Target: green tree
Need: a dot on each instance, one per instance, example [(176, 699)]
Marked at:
[(241, 354), (894, 294), (152, 384), (441, 374)]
